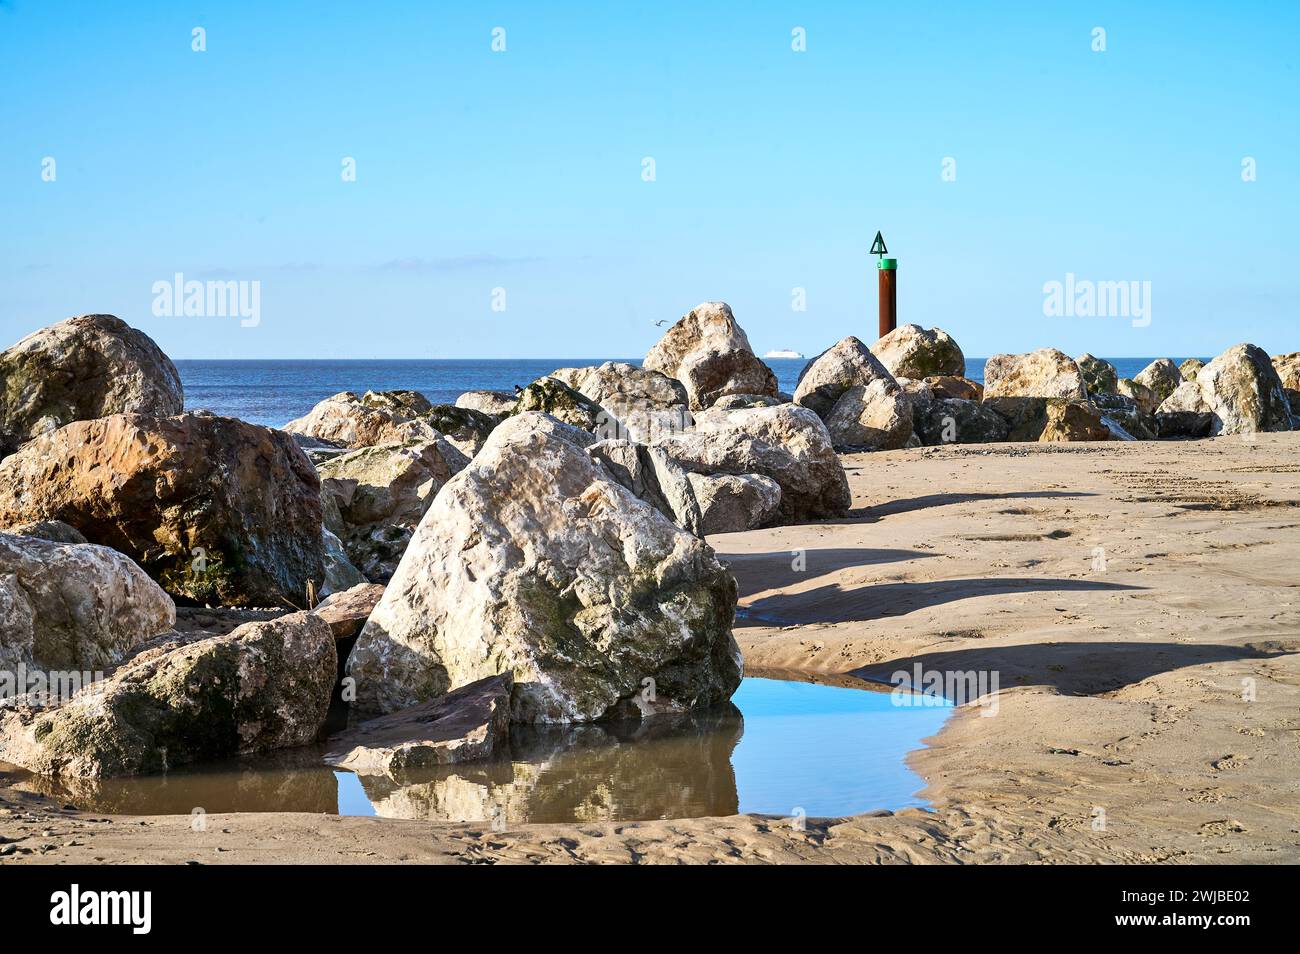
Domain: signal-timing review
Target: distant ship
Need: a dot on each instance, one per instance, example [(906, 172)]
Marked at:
[(787, 353)]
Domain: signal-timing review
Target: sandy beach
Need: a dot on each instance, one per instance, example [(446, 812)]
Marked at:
[(1136, 602)]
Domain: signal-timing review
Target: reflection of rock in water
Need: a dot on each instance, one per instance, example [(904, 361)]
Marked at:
[(290, 781), (676, 766)]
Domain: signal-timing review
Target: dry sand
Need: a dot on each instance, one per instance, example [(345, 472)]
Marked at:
[(1128, 596)]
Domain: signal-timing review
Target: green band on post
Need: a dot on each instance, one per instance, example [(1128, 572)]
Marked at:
[(888, 263)]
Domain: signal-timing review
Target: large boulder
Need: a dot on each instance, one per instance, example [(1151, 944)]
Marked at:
[(846, 364), (1184, 413), (74, 606), (1045, 373), (1146, 399), (1190, 368), (374, 498), (787, 443), (910, 351), (264, 686), (534, 561), (951, 386), (464, 428), (957, 421), (1287, 367), (654, 477), (734, 502), (1161, 376), (497, 404), (876, 416), (1243, 392), (81, 369), (377, 417), (553, 397), (1127, 413), (467, 724), (1099, 376), (648, 403), (1025, 417), (1074, 421), (709, 353), (215, 509)]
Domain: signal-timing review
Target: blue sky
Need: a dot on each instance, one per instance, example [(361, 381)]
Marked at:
[(522, 170)]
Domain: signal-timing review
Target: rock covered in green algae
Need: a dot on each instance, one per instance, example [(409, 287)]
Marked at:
[(648, 403), (910, 351), (534, 561), (215, 509), (263, 687), (552, 396), (1099, 376), (465, 428), (83, 368)]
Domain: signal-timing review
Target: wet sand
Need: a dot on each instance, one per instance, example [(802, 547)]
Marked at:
[(1139, 604)]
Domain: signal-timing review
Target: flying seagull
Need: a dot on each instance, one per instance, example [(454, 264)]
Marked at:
[(661, 322)]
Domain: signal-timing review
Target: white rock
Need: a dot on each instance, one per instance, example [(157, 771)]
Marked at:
[(733, 502), (787, 443), (846, 364), (709, 353), (1045, 373), (533, 561), (74, 606)]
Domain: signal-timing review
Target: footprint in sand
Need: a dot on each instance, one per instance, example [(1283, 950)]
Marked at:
[(1222, 827), (1230, 761)]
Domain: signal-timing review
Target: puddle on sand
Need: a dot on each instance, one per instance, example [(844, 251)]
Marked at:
[(781, 745)]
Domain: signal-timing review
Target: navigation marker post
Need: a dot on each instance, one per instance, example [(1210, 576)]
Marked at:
[(888, 285)]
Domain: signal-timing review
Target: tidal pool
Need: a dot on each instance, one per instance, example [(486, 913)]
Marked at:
[(782, 746)]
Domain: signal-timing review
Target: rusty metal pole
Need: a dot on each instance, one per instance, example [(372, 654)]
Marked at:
[(888, 268)]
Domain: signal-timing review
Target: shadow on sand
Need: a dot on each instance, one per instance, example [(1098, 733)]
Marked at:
[(834, 604), (755, 572), (1072, 668), (892, 508)]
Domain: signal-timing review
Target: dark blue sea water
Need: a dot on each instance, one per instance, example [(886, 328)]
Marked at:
[(275, 392)]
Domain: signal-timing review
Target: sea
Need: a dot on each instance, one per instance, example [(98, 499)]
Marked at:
[(273, 392)]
